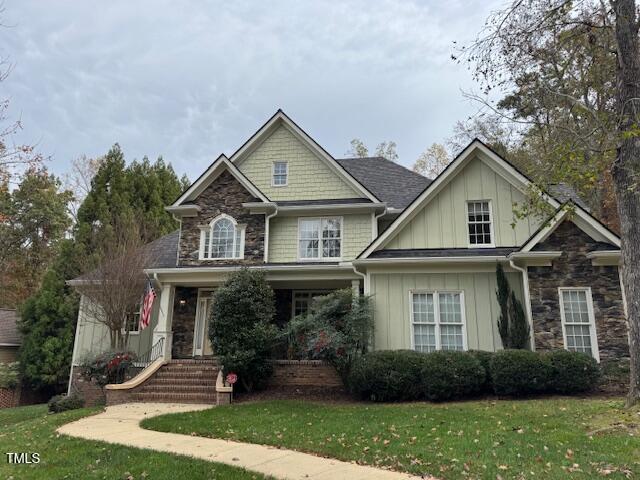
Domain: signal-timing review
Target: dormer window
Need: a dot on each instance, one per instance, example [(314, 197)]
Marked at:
[(223, 238), (280, 174), (480, 224)]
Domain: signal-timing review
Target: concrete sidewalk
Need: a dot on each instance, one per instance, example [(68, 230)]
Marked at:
[(121, 424)]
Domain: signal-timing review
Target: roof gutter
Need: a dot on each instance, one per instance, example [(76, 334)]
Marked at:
[(266, 232)]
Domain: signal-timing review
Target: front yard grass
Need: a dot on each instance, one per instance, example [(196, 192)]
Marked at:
[(32, 429), (545, 438)]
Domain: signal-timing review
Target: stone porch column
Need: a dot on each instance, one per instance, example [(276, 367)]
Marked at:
[(165, 317)]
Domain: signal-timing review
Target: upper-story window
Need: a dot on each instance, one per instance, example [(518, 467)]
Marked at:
[(320, 238), (222, 238), (480, 223), (280, 174)]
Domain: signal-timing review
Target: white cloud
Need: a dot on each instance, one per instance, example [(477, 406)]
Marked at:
[(191, 79)]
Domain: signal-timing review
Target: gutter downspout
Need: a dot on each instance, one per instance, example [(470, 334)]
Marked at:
[(527, 300), (375, 223), (266, 233)]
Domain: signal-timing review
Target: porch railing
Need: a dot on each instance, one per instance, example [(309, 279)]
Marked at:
[(150, 356)]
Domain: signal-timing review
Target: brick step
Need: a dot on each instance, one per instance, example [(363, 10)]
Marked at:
[(190, 368), (173, 388), (174, 397), (193, 361), (189, 375), (181, 381)]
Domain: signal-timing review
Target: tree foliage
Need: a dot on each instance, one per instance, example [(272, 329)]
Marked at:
[(47, 325), (34, 219), (386, 149), (432, 161), (241, 329)]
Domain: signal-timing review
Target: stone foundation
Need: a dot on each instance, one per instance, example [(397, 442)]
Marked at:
[(574, 269)]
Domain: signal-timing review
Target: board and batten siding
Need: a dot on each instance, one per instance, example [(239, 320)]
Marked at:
[(283, 237), (392, 311), (442, 223), (92, 337), (308, 177)]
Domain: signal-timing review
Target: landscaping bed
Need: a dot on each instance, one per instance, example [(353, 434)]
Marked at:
[(543, 438)]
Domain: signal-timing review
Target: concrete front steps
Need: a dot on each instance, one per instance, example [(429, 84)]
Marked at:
[(181, 381)]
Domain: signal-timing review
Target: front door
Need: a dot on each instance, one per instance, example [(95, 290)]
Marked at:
[(201, 342)]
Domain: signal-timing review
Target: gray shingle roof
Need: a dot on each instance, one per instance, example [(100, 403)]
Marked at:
[(563, 193), (387, 180), (9, 333), (443, 252)]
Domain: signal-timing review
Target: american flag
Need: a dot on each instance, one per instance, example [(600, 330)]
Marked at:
[(147, 306)]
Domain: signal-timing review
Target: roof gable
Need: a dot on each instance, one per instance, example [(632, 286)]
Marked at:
[(580, 218), (281, 120), (220, 165)]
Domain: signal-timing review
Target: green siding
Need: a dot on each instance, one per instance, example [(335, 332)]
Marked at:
[(391, 297), (442, 223), (309, 178), (283, 237), (93, 336)]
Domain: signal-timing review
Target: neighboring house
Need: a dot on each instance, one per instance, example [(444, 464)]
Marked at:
[(425, 250), (10, 339)]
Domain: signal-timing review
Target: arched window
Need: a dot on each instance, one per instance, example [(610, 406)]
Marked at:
[(222, 238)]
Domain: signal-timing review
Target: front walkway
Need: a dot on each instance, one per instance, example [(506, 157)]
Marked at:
[(121, 424)]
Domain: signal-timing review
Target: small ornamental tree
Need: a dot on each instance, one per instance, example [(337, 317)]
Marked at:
[(241, 329), (512, 322), (338, 328)]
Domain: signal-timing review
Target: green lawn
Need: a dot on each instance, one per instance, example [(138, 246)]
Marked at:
[(546, 438), (31, 429)]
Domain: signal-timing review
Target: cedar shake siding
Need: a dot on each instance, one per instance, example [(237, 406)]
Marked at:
[(224, 195), (574, 269)]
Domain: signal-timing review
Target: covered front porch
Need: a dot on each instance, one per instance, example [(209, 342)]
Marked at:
[(185, 297)]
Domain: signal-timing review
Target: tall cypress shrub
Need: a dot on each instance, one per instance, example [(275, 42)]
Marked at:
[(512, 322)]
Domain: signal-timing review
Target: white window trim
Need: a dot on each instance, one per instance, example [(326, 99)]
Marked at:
[(209, 227), (595, 351), (316, 293), (436, 314), (135, 332), (320, 258), (491, 229), (273, 173)]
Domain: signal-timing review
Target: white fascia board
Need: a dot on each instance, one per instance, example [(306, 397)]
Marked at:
[(537, 259), (429, 260), (183, 210), (490, 158), (604, 257), (216, 168), (272, 267), (9, 344), (281, 118)]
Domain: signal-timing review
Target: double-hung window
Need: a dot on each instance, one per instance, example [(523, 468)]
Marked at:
[(437, 321), (578, 321), (479, 224), (223, 238), (320, 238), (302, 300), (280, 173)]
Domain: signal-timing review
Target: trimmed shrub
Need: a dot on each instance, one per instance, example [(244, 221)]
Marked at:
[(9, 375), (451, 374), (573, 372), (520, 372), (62, 403), (241, 330), (387, 376), (485, 360)]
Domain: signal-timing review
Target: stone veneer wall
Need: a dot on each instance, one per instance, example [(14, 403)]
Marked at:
[(574, 269), (183, 323), (224, 195)]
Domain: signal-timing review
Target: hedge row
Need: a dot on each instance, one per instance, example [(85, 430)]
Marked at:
[(401, 375)]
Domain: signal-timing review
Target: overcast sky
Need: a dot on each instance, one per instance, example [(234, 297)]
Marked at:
[(191, 79)]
